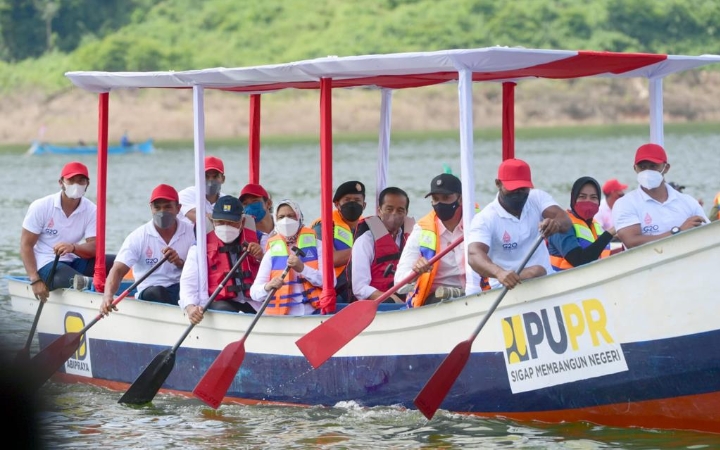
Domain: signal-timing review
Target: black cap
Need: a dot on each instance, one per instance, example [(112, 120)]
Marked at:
[(445, 183), (349, 187), (228, 208)]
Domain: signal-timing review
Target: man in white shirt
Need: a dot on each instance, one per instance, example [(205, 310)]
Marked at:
[(431, 235), (612, 190), (56, 224), (503, 233), (654, 210), (379, 241), (214, 179), (148, 244)]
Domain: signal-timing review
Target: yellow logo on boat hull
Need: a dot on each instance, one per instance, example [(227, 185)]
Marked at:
[(74, 322)]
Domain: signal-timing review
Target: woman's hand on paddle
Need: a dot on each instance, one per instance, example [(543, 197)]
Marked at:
[(295, 263), (422, 266), (173, 257), (275, 283), (508, 278), (106, 307), (194, 313)]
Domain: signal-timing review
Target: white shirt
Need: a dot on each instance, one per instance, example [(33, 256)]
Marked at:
[(258, 292), (363, 254), (637, 207), (46, 218), (509, 238), (142, 249), (186, 198), (190, 283), (451, 267), (604, 215)]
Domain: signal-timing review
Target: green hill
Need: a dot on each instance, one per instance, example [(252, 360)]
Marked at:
[(42, 39)]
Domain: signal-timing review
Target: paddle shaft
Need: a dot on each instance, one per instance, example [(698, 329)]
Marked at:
[(47, 282), (215, 293)]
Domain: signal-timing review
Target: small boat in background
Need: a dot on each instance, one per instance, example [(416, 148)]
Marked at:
[(43, 148)]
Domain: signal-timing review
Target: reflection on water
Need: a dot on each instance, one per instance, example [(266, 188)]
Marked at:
[(77, 416)]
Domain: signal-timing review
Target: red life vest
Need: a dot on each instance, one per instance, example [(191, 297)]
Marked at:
[(219, 265)]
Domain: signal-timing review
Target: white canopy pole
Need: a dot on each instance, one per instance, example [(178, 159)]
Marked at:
[(465, 102), (657, 131), (200, 223), (383, 143)]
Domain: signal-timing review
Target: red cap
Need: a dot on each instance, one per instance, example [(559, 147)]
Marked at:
[(74, 168), (613, 185), (650, 152), (255, 190), (165, 192), (515, 174), (213, 162)]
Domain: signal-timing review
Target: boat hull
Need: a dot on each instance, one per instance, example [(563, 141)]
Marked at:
[(617, 342)]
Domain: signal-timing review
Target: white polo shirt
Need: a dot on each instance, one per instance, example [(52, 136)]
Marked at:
[(186, 198), (46, 218), (604, 215), (637, 207), (142, 249), (509, 238)]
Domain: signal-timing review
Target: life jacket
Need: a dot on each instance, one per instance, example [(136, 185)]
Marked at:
[(716, 202), (386, 250), (429, 246), (342, 236), (585, 236), (219, 264), (285, 297)]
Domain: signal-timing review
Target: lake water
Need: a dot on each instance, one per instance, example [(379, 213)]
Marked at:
[(80, 416)]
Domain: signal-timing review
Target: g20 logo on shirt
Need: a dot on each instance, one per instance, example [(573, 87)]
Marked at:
[(507, 245), (50, 228), (149, 260), (650, 228)]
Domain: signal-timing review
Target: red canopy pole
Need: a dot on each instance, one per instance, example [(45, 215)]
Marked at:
[(328, 297), (508, 124), (254, 140), (103, 114)]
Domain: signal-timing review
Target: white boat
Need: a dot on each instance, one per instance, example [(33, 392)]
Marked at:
[(631, 340)]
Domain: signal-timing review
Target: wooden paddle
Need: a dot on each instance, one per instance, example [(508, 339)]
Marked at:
[(23, 355), (213, 386), (51, 358), (150, 381), (330, 336), (436, 389)]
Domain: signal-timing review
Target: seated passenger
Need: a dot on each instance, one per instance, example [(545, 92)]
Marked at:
[(379, 241), (144, 247), (503, 233), (715, 210), (214, 179), (654, 210), (585, 241), (349, 201), (257, 204), (299, 293), (224, 247)]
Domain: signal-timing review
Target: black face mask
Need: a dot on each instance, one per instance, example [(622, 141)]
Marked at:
[(514, 202), (446, 211), (351, 211)]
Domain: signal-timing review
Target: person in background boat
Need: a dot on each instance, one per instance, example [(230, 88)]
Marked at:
[(299, 293), (681, 189), (349, 201), (715, 210), (214, 179), (654, 210), (501, 235), (163, 235), (612, 190), (585, 241), (431, 235), (379, 241), (258, 205), (56, 224), (225, 244), (125, 140)]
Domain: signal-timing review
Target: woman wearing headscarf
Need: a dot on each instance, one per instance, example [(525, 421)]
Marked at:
[(299, 292), (585, 241)]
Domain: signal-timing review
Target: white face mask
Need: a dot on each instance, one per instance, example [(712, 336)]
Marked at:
[(227, 233), (650, 179), (287, 227), (75, 190)]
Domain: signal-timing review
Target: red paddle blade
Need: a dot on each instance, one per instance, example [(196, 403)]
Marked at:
[(330, 336), (213, 386), (51, 358), (436, 389)]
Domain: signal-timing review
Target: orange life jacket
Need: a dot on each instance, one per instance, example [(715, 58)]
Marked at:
[(287, 295), (585, 236), (219, 264), (342, 236), (429, 246)]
